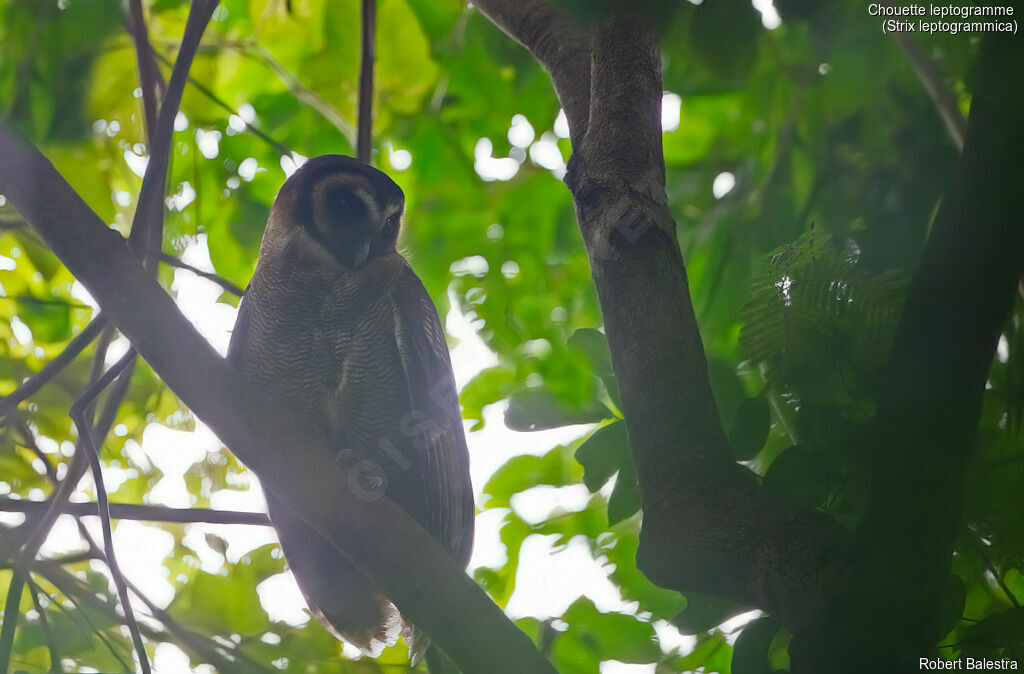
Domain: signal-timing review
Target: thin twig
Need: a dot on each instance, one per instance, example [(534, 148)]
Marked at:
[(301, 91), (25, 559), (78, 414), (996, 575), (9, 224), (940, 93), (148, 72), (32, 385), (364, 139), (222, 657), (221, 103), (44, 622), (942, 96), (29, 441), (209, 276), (131, 511), (147, 225)]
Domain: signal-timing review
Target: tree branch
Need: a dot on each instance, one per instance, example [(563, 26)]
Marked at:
[(149, 75), (225, 660), (708, 526), (931, 79), (32, 385), (931, 387), (131, 511), (209, 276), (558, 44), (44, 622), (147, 224), (364, 135), (265, 432)]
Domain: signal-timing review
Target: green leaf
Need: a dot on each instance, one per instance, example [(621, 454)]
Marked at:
[(625, 498), (593, 344), (750, 652), (799, 473), (538, 410), (705, 612), (603, 453), (48, 318), (662, 604), (519, 473), (594, 636), (222, 604), (998, 630), (750, 428)]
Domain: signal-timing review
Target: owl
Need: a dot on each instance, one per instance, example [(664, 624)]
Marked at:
[(336, 321)]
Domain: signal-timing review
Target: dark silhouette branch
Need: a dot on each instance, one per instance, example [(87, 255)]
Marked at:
[(265, 432), (78, 413), (132, 511), (224, 659), (558, 44), (930, 389), (32, 385), (223, 105), (364, 129), (147, 226), (209, 276), (44, 622), (149, 75)]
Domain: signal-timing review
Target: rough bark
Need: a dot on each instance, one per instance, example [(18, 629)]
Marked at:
[(265, 432), (931, 389), (708, 527)]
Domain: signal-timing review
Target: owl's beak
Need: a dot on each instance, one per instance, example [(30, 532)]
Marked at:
[(354, 253), (360, 253)]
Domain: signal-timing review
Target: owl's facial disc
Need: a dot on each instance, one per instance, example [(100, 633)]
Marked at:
[(344, 223)]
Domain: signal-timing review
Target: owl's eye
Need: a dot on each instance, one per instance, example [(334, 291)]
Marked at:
[(390, 227)]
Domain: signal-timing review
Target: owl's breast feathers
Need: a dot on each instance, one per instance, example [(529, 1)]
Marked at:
[(364, 353)]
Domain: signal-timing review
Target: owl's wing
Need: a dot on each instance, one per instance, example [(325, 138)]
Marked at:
[(439, 458)]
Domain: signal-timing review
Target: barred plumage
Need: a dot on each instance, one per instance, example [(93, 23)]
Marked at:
[(336, 320)]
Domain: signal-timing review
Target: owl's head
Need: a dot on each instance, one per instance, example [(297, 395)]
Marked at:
[(346, 206)]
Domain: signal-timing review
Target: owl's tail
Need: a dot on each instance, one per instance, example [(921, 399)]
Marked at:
[(341, 597)]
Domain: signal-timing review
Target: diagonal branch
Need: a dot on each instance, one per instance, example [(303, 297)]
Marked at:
[(265, 432), (558, 44), (32, 385)]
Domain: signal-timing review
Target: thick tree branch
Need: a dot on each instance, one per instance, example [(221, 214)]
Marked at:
[(269, 436), (558, 44), (707, 526), (931, 387)]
